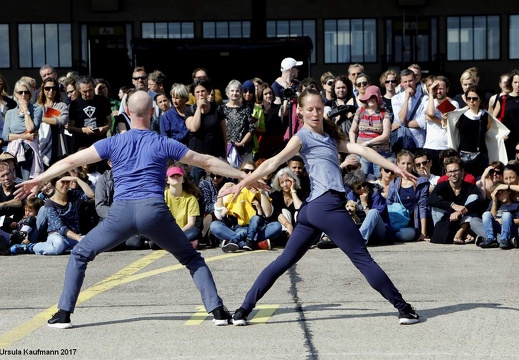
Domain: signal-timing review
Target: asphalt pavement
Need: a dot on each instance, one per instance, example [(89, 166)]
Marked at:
[(143, 305)]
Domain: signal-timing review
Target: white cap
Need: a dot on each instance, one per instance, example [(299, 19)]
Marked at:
[(289, 63)]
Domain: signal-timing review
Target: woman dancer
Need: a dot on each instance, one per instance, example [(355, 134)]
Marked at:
[(318, 142)]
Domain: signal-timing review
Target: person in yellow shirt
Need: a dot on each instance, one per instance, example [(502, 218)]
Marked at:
[(181, 196)]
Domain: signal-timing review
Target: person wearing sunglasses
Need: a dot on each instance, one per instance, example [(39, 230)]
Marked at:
[(375, 227), (423, 166), (389, 82), (53, 144), (361, 83), (492, 176), (327, 83), (476, 135), (386, 176), (20, 131), (209, 187)]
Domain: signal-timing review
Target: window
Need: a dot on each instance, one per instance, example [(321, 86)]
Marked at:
[(473, 38), (226, 29), (168, 30), (514, 37), (45, 44), (5, 59), (293, 28), (350, 41)]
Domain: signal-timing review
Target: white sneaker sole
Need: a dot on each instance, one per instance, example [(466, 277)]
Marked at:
[(241, 322), (230, 247), (221, 322), (408, 321), (60, 325)]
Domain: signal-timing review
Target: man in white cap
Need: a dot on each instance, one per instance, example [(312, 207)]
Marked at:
[(289, 72)]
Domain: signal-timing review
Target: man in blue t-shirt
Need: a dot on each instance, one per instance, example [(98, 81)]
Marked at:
[(139, 160)]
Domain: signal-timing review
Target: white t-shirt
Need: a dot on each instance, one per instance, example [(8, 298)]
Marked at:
[(436, 136)]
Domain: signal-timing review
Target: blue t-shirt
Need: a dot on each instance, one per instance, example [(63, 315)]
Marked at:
[(139, 162), (322, 162)]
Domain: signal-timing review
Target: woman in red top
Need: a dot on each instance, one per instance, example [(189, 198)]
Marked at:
[(371, 127)]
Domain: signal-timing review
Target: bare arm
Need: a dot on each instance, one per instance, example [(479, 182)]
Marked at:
[(83, 157), (211, 164)]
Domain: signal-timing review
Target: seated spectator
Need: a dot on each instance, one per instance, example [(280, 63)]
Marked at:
[(61, 217), (46, 191), (104, 197), (386, 176), (20, 235), (492, 176), (500, 220), (423, 166), (297, 166), (181, 198), (285, 194), (453, 205), (444, 154), (10, 207), (243, 222), (375, 227), (414, 198), (209, 188)]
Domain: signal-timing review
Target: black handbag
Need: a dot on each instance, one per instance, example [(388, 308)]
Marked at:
[(472, 157)]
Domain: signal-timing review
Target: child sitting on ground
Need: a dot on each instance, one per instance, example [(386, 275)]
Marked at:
[(501, 217), (26, 225)]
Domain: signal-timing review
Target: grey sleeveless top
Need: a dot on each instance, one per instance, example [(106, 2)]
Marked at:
[(322, 162)]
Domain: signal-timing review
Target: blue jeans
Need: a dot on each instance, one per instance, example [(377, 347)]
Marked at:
[(257, 230), (327, 214), (373, 225), (150, 218), (369, 168), (507, 228), (56, 244)]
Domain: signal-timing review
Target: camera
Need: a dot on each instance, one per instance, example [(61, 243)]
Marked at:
[(341, 110), (289, 93)]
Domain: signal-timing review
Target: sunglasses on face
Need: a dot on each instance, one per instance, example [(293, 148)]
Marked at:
[(23, 92), (137, 78), (248, 92), (495, 172), (470, 98), (362, 83), (247, 171), (390, 81), (423, 163), (360, 186), (389, 171), (330, 83), (215, 176), (517, 151), (50, 88)]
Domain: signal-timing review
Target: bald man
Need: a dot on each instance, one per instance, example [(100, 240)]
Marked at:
[(139, 160)]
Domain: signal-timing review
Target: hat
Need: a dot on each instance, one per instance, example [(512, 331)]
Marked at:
[(248, 85), (174, 170), (372, 91), (6, 156), (289, 63)]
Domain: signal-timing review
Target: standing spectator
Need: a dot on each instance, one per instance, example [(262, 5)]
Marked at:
[(342, 93), (272, 140), (371, 127), (328, 83), (70, 85), (353, 71), (173, 121), (467, 79), (90, 115), (102, 87), (360, 84), (163, 103), (287, 80), (436, 130), (409, 108), (156, 80), (47, 71), (476, 135), (21, 126), (207, 131), (198, 75), (389, 81), (55, 116), (503, 90), (510, 113), (6, 102), (238, 121)]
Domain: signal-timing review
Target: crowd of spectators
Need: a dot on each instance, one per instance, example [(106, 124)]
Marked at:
[(464, 149)]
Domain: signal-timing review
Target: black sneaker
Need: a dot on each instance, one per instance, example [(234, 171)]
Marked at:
[(489, 243), (230, 247), (408, 316), (240, 317), (60, 320), (479, 240), (504, 244), (514, 242), (248, 245), (221, 316)]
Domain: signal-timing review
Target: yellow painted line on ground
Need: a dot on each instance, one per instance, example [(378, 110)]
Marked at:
[(199, 317), (123, 276), (264, 313)]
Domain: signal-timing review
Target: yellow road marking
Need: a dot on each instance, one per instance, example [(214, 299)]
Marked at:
[(199, 317), (264, 313), (123, 276)]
